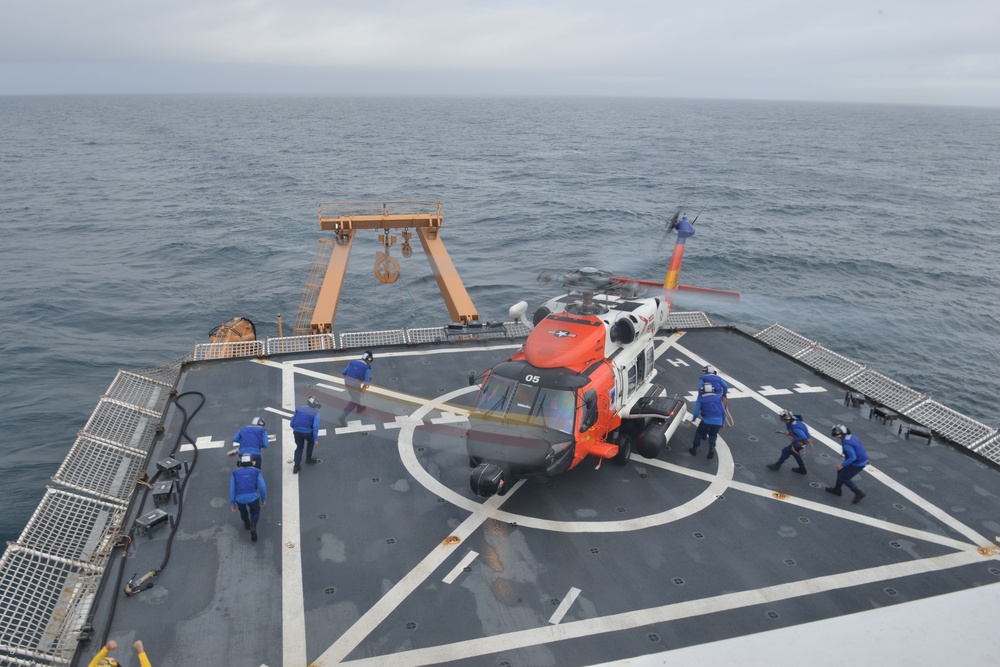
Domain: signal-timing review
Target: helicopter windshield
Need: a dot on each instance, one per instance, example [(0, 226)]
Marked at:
[(527, 404)]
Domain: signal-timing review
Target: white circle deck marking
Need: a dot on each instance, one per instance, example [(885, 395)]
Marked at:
[(718, 484)]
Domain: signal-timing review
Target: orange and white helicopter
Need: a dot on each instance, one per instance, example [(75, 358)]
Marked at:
[(583, 382)]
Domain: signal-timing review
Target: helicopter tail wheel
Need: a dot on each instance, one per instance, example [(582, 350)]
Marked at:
[(488, 479), (386, 268), (624, 443)]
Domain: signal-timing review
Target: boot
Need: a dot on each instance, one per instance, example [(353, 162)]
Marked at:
[(246, 524), (253, 532), (711, 453), (858, 495), (342, 421), (693, 451), (311, 461), (773, 466), (835, 490), (801, 470), (296, 468)]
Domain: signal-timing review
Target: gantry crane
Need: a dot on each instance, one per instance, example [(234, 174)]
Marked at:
[(345, 219)]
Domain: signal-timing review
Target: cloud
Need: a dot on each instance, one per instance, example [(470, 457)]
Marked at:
[(770, 48)]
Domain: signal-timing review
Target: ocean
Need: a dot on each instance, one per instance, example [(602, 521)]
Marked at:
[(134, 225)]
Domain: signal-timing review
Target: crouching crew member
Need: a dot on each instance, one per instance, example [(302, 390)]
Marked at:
[(855, 460), (799, 433), (248, 492), (713, 415), (252, 439), (357, 378)]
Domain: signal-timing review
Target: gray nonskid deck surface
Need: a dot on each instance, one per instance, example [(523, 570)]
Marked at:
[(393, 561)]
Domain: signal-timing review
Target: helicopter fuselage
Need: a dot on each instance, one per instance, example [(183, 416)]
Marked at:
[(571, 391)]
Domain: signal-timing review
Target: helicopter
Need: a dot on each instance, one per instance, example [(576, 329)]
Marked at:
[(583, 382)]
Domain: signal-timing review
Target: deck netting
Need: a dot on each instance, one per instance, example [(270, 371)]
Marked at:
[(71, 526), (141, 391), (243, 348), (883, 390), (784, 340), (309, 343), (950, 424), (689, 320), (104, 469), (43, 603), (373, 338), (826, 361), (990, 448), (124, 424)]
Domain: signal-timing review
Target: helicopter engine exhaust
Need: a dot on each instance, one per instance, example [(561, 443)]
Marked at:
[(489, 479)]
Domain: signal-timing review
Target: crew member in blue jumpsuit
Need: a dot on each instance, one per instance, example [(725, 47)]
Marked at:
[(252, 439), (799, 433), (855, 460), (305, 430), (247, 492), (710, 375), (713, 416), (357, 377)]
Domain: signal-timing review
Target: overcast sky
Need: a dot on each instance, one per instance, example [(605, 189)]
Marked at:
[(900, 51)]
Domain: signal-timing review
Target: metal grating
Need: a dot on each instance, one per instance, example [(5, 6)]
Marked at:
[(689, 320), (301, 343), (785, 340), (885, 391), (990, 449), (832, 364), (167, 374), (43, 604), (244, 348), (140, 391), (517, 330), (428, 335), (70, 526), (101, 468), (364, 338), (949, 424), (123, 424)]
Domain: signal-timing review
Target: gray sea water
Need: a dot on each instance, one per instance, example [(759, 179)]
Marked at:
[(131, 226)]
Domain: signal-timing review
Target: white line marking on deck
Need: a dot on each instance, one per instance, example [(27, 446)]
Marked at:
[(664, 614), (331, 386), (768, 390), (457, 570), (942, 516), (450, 418), (293, 616), (409, 583), (203, 442), (403, 420), (287, 414), (806, 389), (355, 426), (567, 602)]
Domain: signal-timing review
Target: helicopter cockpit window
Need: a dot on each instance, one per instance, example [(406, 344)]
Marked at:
[(555, 409), (495, 395)]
